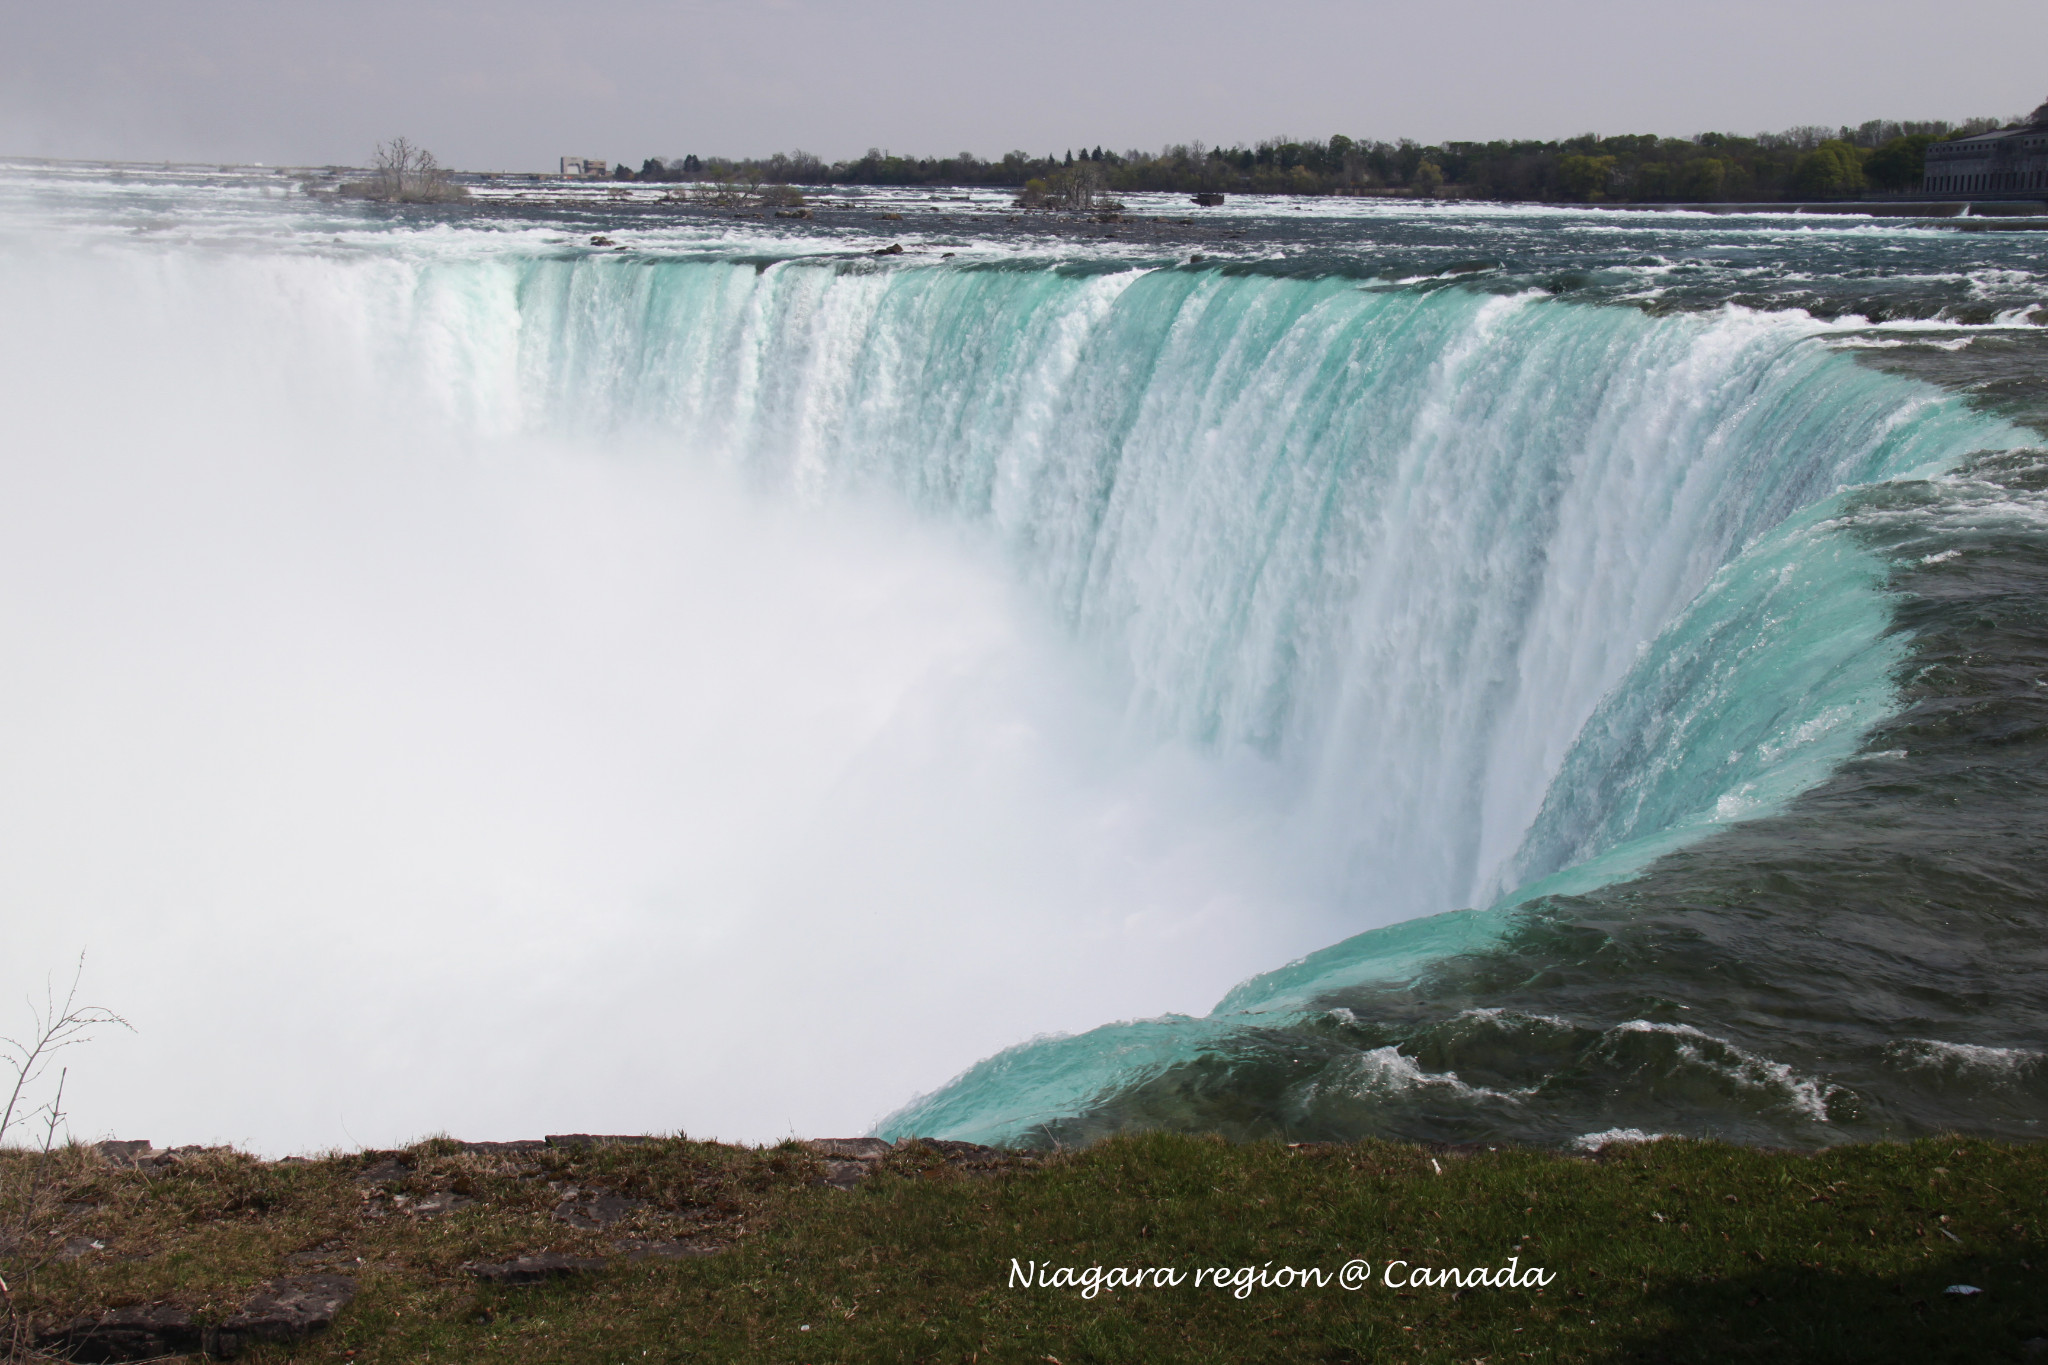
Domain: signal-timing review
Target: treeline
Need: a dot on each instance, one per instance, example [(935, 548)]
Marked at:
[(1810, 162)]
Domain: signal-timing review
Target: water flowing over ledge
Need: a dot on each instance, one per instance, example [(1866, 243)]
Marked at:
[(1404, 544), (1479, 599), (1515, 595)]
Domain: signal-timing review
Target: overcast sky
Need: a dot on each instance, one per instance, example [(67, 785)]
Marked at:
[(513, 84)]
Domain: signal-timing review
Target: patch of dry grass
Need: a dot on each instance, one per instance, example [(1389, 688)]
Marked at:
[(1675, 1251)]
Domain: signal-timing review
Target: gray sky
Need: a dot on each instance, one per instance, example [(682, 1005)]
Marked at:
[(512, 84)]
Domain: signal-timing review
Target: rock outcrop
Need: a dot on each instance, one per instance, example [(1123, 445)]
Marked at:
[(290, 1309), (285, 1310), (849, 1160), (536, 1268)]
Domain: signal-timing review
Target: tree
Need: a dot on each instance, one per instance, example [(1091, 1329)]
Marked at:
[(1900, 163), (1709, 166), (406, 173), (1585, 177), (1834, 167), (1703, 178), (1078, 187)]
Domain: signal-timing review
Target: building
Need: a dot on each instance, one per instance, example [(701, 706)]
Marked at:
[(2010, 161), (584, 167)]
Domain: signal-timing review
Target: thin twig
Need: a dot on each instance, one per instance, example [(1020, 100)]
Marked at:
[(32, 1181), (55, 1029)]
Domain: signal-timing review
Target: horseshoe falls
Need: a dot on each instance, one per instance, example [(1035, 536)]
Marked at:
[(1396, 545), (1466, 674)]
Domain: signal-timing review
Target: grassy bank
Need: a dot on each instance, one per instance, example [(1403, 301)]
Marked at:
[(1672, 1251)]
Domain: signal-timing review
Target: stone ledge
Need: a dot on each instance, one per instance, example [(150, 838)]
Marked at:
[(289, 1309), (535, 1269)]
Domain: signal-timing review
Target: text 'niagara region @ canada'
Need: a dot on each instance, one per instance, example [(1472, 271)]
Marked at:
[(1243, 1281)]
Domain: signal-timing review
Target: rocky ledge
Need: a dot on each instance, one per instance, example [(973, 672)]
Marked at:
[(290, 1309), (525, 1212)]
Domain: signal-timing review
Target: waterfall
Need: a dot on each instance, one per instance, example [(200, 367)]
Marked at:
[(684, 614), (1399, 543)]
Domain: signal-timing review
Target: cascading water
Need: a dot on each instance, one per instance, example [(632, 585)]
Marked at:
[(1399, 543), (1409, 596)]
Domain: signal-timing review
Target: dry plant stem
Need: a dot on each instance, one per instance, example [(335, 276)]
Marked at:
[(31, 1190), (55, 1029)]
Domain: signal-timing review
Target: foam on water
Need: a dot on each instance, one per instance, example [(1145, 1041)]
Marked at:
[(1593, 1142), (695, 628), (1970, 1059)]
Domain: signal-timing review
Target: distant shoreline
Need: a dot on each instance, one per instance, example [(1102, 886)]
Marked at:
[(330, 180)]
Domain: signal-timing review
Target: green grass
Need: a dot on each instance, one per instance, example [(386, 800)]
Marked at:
[(1675, 1251)]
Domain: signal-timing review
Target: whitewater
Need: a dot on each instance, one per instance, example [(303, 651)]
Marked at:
[(559, 664)]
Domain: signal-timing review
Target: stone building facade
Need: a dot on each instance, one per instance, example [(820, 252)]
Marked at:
[(2010, 161)]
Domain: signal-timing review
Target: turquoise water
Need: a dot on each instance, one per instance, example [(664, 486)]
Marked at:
[(1507, 557), (1406, 545)]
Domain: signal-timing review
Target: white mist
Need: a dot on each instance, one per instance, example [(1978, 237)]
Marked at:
[(399, 780)]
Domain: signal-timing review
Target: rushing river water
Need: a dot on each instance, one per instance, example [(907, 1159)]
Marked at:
[(1577, 671)]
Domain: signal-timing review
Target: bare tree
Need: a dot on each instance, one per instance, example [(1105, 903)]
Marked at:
[(1078, 188), (406, 173), (55, 1026), (28, 1186)]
